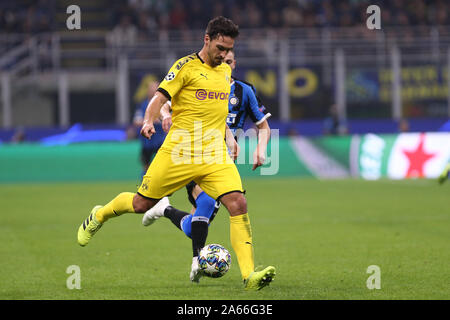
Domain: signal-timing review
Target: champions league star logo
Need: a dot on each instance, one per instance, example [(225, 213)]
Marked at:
[(417, 159)]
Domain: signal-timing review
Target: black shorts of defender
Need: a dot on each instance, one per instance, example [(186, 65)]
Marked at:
[(190, 187), (147, 155)]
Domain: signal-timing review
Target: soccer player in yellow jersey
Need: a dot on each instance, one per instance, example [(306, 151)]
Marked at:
[(198, 86)]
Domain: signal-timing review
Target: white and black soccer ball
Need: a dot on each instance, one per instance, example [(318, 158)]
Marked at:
[(214, 260)]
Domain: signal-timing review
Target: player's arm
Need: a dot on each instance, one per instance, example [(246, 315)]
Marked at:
[(152, 114), (259, 156), (171, 84), (259, 116), (166, 116), (232, 144)]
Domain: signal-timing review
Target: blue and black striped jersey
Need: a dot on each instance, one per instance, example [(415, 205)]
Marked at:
[(244, 103), (158, 137)]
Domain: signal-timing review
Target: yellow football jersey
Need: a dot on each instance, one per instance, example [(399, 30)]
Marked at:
[(199, 95)]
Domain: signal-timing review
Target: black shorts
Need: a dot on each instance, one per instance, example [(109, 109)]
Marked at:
[(189, 187), (147, 155)]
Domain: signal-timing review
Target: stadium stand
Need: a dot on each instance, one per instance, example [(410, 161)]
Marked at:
[(118, 47)]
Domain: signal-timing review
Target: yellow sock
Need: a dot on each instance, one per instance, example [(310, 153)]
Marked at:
[(241, 240), (121, 204)]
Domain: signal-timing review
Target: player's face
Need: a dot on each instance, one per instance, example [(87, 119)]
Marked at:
[(229, 59), (218, 49)]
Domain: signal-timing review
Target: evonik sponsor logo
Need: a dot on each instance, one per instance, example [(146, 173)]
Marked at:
[(202, 94)]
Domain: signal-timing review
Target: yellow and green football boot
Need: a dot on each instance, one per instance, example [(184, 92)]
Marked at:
[(444, 175), (259, 279), (88, 228)]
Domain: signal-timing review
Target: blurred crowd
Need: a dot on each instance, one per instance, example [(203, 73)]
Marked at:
[(194, 14), (27, 17), (144, 16)]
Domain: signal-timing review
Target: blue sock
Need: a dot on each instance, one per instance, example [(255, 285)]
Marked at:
[(205, 209)]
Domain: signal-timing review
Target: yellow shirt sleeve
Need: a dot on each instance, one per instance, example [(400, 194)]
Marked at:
[(175, 78)]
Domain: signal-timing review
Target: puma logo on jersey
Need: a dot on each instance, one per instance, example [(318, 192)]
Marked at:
[(204, 75)]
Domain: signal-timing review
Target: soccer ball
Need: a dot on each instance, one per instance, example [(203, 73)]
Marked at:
[(214, 260)]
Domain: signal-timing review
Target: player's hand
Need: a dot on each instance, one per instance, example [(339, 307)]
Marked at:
[(259, 158), (233, 148), (147, 130), (166, 123)]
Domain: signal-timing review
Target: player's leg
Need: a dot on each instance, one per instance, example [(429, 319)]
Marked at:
[(125, 202), (164, 209), (240, 231), (225, 184), (200, 221), (241, 241), (158, 211), (182, 219), (159, 181), (445, 174), (204, 209), (195, 225)]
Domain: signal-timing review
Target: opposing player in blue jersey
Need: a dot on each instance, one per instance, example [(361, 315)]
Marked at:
[(243, 104)]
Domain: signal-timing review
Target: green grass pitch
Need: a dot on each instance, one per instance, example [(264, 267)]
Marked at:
[(321, 235)]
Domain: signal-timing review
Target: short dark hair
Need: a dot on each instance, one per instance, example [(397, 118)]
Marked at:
[(221, 26)]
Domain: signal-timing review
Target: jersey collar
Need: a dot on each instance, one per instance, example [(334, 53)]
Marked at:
[(198, 56)]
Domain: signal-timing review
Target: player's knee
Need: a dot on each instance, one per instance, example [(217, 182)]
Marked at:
[(141, 204), (241, 204), (206, 202), (235, 203)]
